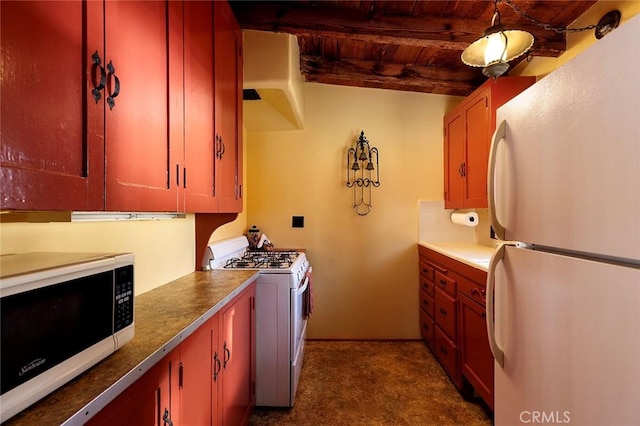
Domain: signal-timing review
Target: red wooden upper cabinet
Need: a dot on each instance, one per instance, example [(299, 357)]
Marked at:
[(228, 108), (467, 138), (199, 144), (52, 132), (143, 152)]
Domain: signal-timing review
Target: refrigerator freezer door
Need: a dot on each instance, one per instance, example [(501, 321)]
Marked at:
[(570, 331), (568, 169)]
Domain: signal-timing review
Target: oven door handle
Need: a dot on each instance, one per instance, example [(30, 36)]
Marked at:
[(303, 287)]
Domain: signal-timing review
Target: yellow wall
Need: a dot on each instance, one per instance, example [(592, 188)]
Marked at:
[(365, 268), (164, 249)]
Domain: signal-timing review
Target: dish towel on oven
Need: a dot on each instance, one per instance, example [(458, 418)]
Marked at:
[(307, 299)]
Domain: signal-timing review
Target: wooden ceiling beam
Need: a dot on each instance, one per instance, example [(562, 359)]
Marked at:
[(426, 31), (460, 82)]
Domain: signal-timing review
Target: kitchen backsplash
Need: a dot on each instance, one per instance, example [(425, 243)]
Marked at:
[(435, 225)]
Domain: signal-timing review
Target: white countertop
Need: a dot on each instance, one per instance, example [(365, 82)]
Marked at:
[(475, 255)]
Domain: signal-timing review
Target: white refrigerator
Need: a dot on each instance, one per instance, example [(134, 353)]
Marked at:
[(563, 291)]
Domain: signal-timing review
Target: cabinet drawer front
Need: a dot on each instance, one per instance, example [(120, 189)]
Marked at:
[(445, 283), (427, 329), (426, 270), (447, 354), (426, 286), (445, 313), (427, 304), (475, 291)]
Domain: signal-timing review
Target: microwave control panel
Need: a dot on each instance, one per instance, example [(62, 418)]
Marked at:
[(123, 309)]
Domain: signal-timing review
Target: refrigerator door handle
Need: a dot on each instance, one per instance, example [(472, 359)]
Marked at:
[(498, 135), (498, 354)]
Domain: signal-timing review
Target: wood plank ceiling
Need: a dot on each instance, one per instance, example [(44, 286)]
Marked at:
[(401, 45)]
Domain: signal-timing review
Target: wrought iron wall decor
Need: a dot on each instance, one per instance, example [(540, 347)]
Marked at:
[(362, 164)]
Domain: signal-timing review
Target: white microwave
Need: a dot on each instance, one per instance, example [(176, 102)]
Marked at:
[(60, 314)]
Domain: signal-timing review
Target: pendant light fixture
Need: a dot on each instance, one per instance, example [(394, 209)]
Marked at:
[(497, 46), (500, 45)]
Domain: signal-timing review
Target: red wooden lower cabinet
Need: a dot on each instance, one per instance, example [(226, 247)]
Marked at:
[(145, 402), (237, 348), (477, 360), (209, 379), (453, 322)]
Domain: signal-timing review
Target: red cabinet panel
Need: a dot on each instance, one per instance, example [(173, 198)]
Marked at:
[(427, 304), (447, 353), (427, 271), (446, 284), (142, 159), (237, 394), (445, 314), (200, 159), (52, 133), (147, 401), (476, 358), (196, 375), (467, 136), (478, 138), (454, 130), (228, 108), (427, 329)]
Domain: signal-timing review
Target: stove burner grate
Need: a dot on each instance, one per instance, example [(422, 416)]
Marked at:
[(263, 260)]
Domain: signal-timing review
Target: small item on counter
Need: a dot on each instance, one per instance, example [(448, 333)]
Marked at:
[(253, 236), (258, 240), (264, 243)]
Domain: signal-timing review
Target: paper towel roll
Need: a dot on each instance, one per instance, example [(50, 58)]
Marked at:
[(467, 219)]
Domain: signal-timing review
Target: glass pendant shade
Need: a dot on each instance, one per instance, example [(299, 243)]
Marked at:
[(363, 155), (370, 166), (355, 166), (495, 48)]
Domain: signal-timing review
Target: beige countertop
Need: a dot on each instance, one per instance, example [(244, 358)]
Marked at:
[(164, 317), (475, 255)]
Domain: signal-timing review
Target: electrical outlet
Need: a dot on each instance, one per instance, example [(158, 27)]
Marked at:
[(297, 221)]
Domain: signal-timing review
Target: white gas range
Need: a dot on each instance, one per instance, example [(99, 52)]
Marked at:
[(282, 308)]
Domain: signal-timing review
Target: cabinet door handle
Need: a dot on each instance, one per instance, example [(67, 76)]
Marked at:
[(223, 149), (479, 293), (166, 418), (443, 312), (216, 366), (116, 90), (227, 355), (97, 63), (218, 143), (443, 282), (460, 170), (444, 350)]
